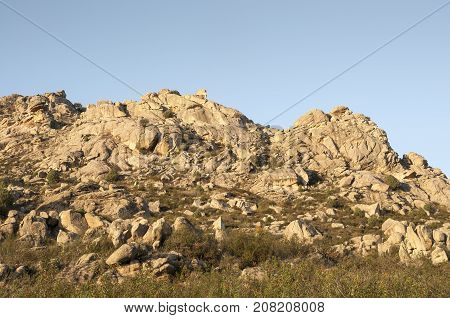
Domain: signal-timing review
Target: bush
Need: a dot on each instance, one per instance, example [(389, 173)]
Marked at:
[(392, 182), (6, 199), (253, 249), (374, 221), (430, 207), (53, 177), (335, 203), (112, 175), (359, 213), (194, 244)]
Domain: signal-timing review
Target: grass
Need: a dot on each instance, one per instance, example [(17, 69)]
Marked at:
[(194, 244), (354, 277), (252, 249)]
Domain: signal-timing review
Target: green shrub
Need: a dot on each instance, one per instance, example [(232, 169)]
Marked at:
[(194, 244), (430, 207), (374, 221), (335, 203), (392, 182), (53, 177), (359, 213), (112, 175), (353, 277), (252, 249), (6, 199)]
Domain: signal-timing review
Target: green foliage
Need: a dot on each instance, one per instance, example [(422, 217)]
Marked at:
[(112, 175), (430, 207), (53, 177), (392, 182), (374, 221), (6, 199), (194, 244), (359, 213), (354, 277), (335, 203), (252, 249)]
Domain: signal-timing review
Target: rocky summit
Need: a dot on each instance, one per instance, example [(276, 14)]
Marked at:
[(129, 184)]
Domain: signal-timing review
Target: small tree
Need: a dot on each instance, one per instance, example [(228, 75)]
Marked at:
[(392, 182), (53, 177), (112, 175)]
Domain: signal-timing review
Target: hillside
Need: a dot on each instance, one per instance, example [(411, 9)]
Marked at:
[(183, 188)]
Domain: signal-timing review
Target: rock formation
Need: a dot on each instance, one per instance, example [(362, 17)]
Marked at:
[(136, 172)]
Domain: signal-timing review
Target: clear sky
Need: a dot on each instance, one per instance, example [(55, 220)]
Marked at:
[(256, 56)]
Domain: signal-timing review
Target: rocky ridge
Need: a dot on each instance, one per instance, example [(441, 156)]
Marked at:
[(134, 172)]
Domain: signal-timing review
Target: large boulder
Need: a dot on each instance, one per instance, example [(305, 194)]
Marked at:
[(158, 232), (439, 256), (33, 228), (369, 210), (124, 254), (301, 231), (73, 222)]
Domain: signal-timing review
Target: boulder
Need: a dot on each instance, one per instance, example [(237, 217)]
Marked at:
[(93, 221), (182, 224), (73, 222), (123, 254), (158, 232), (369, 210), (302, 231), (391, 226), (439, 256), (66, 237)]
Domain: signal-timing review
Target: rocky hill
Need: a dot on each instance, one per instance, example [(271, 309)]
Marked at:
[(133, 173)]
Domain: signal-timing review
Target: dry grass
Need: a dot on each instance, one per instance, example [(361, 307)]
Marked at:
[(354, 277)]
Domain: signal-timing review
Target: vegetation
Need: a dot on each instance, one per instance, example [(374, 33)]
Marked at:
[(6, 199), (335, 203), (253, 249), (112, 175), (430, 207), (194, 244), (354, 277), (53, 177), (392, 182)]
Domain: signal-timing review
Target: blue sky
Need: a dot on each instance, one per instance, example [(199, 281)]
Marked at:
[(256, 56)]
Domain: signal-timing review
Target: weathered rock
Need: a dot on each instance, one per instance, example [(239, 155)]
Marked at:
[(369, 210), (66, 237), (182, 224), (93, 221), (302, 231), (73, 222), (439, 256), (33, 228), (158, 232), (123, 254)]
